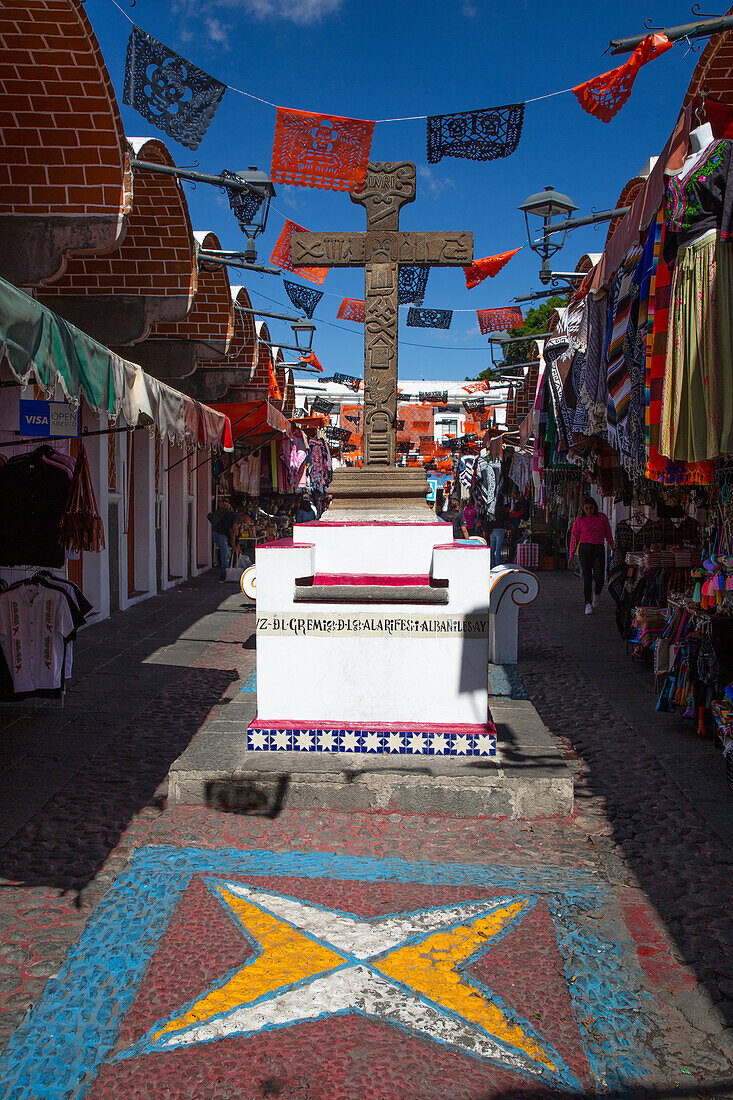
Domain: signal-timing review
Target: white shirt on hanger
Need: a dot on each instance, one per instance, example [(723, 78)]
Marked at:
[(34, 625)]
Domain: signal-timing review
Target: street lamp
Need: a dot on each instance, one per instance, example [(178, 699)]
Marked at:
[(547, 205), (303, 335), (250, 205)]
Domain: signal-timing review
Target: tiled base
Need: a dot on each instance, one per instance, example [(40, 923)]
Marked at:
[(375, 738)]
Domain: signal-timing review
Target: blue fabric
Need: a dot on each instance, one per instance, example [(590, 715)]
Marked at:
[(496, 541), (222, 544)]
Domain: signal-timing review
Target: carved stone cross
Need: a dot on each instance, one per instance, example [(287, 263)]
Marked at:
[(380, 251)]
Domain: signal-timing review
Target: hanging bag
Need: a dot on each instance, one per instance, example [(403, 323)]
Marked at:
[(81, 524)]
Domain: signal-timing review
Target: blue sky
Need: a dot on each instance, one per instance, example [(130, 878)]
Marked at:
[(388, 58)]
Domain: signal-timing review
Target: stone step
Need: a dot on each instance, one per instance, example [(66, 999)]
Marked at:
[(528, 777)]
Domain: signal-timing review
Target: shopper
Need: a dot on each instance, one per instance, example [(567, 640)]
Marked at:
[(223, 521), (306, 511), (591, 531), (496, 531), (470, 516), (453, 515)]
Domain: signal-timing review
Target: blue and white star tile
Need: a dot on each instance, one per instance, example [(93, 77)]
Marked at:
[(258, 739), (327, 740), (440, 743), (304, 740), (418, 743), (373, 741), (350, 741), (281, 740), (395, 741)]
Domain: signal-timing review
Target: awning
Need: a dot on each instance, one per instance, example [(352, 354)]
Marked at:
[(255, 422), (37, 343)]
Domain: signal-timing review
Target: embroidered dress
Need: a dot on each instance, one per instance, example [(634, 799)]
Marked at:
[(697, 397)]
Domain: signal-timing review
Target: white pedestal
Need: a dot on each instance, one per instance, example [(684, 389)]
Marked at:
[(373, 637)]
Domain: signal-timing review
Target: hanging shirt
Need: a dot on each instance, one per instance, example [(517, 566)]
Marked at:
[(35, 624), (33, 494), (700, 199)]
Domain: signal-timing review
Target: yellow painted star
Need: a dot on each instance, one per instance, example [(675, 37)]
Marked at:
[(407, 970)]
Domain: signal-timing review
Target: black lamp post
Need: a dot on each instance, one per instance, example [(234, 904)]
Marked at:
[(303, 335), (251, 206), (550, 207)]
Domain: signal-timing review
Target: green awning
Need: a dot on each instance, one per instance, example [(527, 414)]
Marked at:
[(36, 342), (39, 345)]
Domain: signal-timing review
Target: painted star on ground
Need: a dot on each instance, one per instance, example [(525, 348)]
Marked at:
[(407, 970)]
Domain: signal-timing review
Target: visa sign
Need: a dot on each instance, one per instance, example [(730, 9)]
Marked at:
[(54, 419)]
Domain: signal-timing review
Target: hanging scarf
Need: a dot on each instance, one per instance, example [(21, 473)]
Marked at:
[(658, 467)]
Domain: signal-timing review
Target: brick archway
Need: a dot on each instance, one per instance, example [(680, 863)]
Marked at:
[(152, 276), (65, 183)]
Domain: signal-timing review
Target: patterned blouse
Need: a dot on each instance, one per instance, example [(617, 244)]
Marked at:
[(700, 199)]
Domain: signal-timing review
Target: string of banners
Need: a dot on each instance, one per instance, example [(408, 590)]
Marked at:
[(332, 151), (490, 320)]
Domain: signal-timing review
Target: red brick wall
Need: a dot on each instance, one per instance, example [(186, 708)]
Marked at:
[(158, 253), (62, 146), (211, 319), (242, 348), (714, 70), (261, 356)]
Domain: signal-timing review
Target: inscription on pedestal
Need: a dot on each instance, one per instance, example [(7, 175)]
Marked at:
[(364, 624)]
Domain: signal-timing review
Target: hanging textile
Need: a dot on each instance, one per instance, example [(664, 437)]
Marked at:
[(171, 93), (487, 268), (321, 405), (658, 467), (34, 488), (591, 411), (281, 255), (303, 297), (352, 309), (412, 284), (273, 392), (323, 151), (624, 297), (475, 135), (311, 360), (243, 204), (604, 96), (499, 320), (697, 401), (348, 380), (429, 318), (81, 524)]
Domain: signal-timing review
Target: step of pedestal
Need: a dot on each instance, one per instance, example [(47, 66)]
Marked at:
[(528, 777)]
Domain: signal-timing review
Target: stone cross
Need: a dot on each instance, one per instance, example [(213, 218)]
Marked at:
[(380, 251)]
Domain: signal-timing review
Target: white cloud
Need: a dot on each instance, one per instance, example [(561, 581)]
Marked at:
[(302, 12), (469, 10), (217, 32), (434, 184), (290, 196)]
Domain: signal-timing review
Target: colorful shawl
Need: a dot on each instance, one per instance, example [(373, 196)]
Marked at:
[(658, 467)]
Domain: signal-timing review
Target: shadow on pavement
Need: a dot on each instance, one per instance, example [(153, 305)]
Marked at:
[(73, 780), (659, 786)]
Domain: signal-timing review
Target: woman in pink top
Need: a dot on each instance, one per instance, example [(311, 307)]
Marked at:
[(590, 532)]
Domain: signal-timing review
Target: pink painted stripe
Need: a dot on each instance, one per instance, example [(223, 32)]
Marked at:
[(369, 523), (387, 727), (393, 580), (285, 544), (461, 544)]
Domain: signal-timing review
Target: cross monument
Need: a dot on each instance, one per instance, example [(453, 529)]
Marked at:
[(380, 251)]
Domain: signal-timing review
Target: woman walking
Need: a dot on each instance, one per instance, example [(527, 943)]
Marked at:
[(590, 533)]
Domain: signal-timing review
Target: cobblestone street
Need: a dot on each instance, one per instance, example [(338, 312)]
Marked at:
[(323, 955)]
